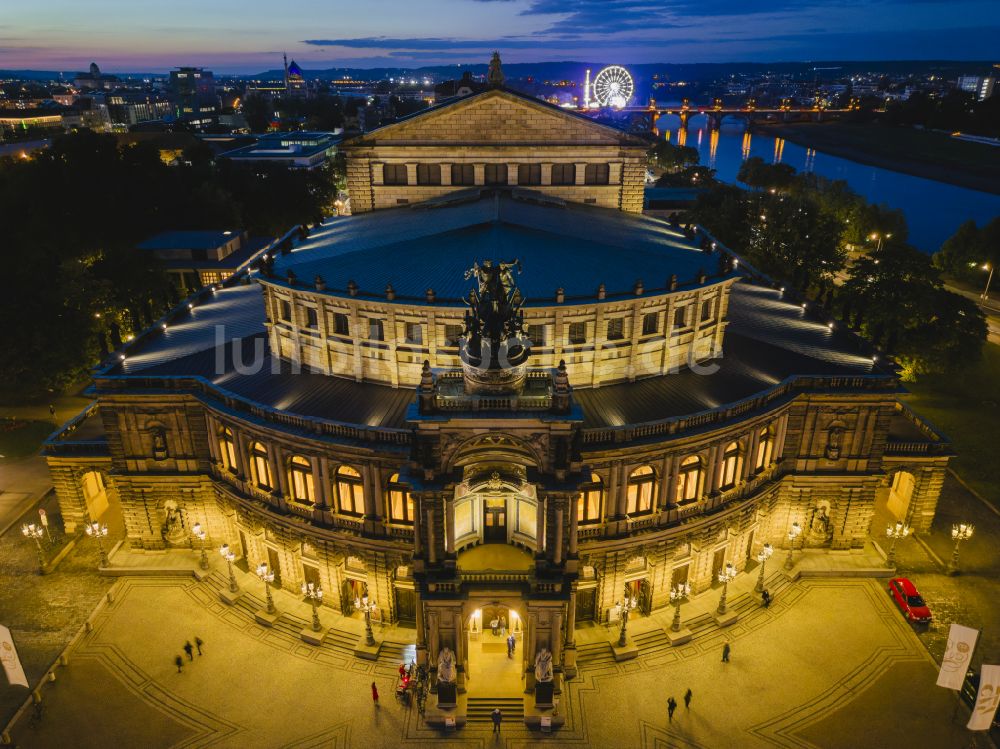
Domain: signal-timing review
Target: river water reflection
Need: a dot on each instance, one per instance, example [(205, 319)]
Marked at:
[(933, 209)]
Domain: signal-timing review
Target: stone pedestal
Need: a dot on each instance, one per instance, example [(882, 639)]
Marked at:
[(625, 652), (569, 661), (544, 691), (265, 619), (680, 637), (229, 598), (366, 651), (724, 620), (447, 694), (313, 637)]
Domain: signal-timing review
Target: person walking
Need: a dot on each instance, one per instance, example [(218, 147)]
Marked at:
[(766, 596), (496, 716), (189, 649), (671, 706), (179, 662), (503, 625), (198, 642), (687, 700), (375, 694), (725, 652)]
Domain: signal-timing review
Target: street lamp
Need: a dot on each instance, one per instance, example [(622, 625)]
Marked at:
[(678, 594), (628, 603), (315, 595), (895, 532), (793, 533), (366, 606), (99, 531), (35, 533), (267, 577), (199, 533), (726, 576), (986, 292), (960, 532), (229, 556), (765, 553), (879, 237)]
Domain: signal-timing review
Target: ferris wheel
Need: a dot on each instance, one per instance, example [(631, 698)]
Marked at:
[(613, 87)]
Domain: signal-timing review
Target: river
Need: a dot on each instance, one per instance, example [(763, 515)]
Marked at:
[(933, 209)]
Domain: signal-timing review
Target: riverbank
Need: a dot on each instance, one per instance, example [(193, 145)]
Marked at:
[(919, 153)]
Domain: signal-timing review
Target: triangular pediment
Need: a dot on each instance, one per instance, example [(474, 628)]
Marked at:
[(497, 116)]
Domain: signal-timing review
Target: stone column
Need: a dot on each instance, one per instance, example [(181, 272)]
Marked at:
[(713, 469), (213, 438), (431, 545), (569, 648), (750, 458), (433, 647), (574, 525), (327, 484), (319, 491), (449, 507), (622, 491), (421, 634), (671, 498), (779, 440), (242, 456), (540, 526), (557, 554), (418, 523), (279, 482)]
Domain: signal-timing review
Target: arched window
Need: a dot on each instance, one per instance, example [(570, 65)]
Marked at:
[(259, 466), (765, 446), (227, 448), (591, 501), (730, 466), (300, 479), (400, 501), (350, 491), (641, 489), (689, 480)]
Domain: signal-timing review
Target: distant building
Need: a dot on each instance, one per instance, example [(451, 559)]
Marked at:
[(95, 79), (297, 150), (465, 86), (979, 85), (129, 108), (293, 83), (199, 258), (193, 90)]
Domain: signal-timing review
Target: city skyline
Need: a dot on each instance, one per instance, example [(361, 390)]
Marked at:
[(246, 38)]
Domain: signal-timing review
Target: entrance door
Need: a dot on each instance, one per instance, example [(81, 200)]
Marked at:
[(495, 520), (750, 546), (406, 605), (718, 562), (274, 565), (586, 603)]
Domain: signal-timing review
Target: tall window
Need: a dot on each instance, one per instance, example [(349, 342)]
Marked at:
[(300, 477), (414, 333), (765, 446), (227, 446), (312, 319), (428, 174), (689, 479), (597, 174), (578, 332), (400, 501), (341, 324), (590, 501), (529, 174), (375, 330), (616, 329), (452, 334), (641, 488), (706, 309), (730, 465), (564, 174), (536, 334), (650, 323), (463, 174), (260, 468), (350, 491), (286, 311), (495, 174), (394, 174), (680, 317)]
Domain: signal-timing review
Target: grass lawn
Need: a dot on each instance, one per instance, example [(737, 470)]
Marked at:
[(966, 407), (25, 439)]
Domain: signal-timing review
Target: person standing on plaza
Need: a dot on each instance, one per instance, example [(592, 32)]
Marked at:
[(687, 700), (725, 652), (503, 625), (189, 649), (671, 706), (496, 716), (198, 642), (375, 694), (179, 662), (766, 596)]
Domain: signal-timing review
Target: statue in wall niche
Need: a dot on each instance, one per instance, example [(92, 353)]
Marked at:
[(820, 525), (160, 443), (543, 666), (173, 527), (834, 438), (446, 665)]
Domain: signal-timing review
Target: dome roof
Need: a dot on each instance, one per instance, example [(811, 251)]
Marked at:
[(560, 245), (294, 69)]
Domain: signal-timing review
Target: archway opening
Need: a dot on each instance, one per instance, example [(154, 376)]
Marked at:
[(495, 642), (900, 494), (95, 494)]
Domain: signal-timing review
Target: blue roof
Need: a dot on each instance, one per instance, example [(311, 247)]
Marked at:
[(189, 240), (560, 245)]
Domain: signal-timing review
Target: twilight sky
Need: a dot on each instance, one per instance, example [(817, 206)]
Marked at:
[(250, 35)]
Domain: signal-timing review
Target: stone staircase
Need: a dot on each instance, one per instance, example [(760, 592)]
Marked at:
[(478, 709)]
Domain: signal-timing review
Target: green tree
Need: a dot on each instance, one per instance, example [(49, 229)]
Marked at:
[(671, 158), (754, 172)]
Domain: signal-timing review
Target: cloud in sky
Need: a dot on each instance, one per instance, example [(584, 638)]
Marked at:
[(233, 35)]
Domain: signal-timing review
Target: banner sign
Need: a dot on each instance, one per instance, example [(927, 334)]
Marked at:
[(988, 699), (8, 657), (957, 654)]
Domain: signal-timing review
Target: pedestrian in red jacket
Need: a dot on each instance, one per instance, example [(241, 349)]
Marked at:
[(374, 694)]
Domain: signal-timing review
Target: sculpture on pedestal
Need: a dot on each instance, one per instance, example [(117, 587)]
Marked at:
[(543, 666), (446, 666)]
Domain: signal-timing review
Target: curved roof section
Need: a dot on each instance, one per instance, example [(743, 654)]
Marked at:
[(560, 245)]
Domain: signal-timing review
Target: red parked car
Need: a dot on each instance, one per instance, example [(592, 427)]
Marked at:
[(905, 594)]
